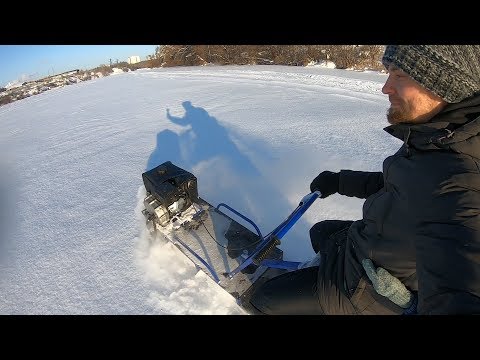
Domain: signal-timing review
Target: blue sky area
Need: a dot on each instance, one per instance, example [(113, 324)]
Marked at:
[(29, 62)]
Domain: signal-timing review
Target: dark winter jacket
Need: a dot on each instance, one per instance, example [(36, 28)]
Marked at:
[(421, 217)]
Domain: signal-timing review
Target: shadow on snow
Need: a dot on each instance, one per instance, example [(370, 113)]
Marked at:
[(224, 173)]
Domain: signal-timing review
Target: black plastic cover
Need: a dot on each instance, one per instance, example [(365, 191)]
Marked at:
[(168, 182)]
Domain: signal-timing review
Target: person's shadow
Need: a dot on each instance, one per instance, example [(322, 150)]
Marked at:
[(204, 139)]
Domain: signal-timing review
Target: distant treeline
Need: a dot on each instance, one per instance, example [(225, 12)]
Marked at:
[(358, 57), (343, 56)]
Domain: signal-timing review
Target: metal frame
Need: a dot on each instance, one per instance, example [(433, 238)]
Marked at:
[(273, 238)]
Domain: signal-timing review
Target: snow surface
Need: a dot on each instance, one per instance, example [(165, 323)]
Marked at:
[(73, 239)]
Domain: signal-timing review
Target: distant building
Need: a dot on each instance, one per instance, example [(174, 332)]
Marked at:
[(133, 59)]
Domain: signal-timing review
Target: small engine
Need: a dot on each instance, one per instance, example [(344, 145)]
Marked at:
[(170, 190)]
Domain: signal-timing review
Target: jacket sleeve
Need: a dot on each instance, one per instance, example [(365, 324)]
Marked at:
[(448, 255), (360, 184)]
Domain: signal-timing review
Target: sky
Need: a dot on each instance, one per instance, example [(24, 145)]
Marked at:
[(31, 62), (74, 240)]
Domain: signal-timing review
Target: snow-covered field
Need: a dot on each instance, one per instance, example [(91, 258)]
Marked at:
[(73, 238)]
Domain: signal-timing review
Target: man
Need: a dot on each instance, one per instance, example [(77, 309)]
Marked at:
[(419, 239)]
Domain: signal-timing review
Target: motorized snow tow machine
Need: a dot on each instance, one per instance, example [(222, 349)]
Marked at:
[(235, 257)]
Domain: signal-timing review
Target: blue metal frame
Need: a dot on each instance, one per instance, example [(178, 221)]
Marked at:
[(212, 271), (273, 237), (281, 264), (242, 216)]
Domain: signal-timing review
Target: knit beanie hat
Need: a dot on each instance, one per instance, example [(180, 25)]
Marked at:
[(449, 71)]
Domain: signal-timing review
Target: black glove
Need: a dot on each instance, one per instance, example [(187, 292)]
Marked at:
[(326, 182)]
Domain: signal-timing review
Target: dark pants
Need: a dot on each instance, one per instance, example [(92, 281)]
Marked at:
[(296, 292)]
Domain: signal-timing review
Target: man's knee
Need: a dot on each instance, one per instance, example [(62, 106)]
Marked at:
[(314, 237), (319, 235), (321, 232)]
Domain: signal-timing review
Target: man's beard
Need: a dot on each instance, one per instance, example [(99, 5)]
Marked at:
[(399, 115)]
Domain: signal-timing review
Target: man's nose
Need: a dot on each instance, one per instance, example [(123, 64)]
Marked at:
[(387, 88)]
